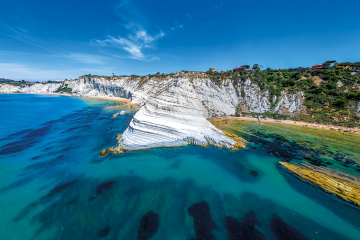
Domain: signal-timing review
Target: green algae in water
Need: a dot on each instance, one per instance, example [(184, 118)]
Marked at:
[(336, 150)]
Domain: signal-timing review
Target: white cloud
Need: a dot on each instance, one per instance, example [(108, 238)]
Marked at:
[(83, 58), (133, 44)]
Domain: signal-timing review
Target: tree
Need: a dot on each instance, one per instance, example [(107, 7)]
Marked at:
[(340, 103), (345, 64), (328, 63), (357, 65), (257, 67), (332, 85)]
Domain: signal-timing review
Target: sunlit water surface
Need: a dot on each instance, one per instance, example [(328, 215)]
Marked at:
[(54, 184)]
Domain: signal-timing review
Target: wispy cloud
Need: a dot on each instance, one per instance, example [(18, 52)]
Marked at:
[(138, 39), (177, 25), (189, 16), (19, 71), (17, 31), (134, 44), (34, 44), (78, 57)]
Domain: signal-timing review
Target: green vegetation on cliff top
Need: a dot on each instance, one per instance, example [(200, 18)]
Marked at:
[(331, 95)]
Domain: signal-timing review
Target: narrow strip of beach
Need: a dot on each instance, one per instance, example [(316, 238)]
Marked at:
[(287, 122), (125, 101)]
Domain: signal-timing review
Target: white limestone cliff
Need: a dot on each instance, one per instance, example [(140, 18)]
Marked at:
[(289, 103), (174, 110)]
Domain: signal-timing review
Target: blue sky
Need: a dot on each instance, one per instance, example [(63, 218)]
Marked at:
[(49, 40)]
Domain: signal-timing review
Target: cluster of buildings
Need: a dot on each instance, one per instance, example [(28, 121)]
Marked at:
[(315, 67), (319, 66), (242, 69), (336, 65)]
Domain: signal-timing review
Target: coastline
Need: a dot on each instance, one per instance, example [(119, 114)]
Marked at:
[(123, 100), (288, 122), (127, 102)]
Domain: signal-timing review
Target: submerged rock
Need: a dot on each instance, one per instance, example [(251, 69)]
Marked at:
[(203, 221), (105, 231), (345, 186), (245, 229), (149, 225), (104, 187), (284, 231), (103, 153), (117, 150), (62, 187)]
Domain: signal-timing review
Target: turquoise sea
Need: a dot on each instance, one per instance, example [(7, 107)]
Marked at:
[(54, 184)]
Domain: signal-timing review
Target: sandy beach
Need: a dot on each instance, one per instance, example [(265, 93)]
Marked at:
[(123, 100), (127, 102), (288, 122)]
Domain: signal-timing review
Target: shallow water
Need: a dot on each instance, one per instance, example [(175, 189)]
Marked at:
[(54, 184)]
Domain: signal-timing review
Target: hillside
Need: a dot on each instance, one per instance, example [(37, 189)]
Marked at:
[(329, 95)]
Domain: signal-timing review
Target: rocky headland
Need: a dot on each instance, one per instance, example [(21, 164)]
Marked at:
[(173, 109)]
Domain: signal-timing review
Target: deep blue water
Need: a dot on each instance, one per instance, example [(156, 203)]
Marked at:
[(54, 184)]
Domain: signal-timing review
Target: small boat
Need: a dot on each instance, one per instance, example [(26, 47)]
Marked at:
[(122, 112)]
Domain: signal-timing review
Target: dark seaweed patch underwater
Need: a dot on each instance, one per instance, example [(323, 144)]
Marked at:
[(54, 184)]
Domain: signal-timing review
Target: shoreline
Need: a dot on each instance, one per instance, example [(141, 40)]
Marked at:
[(289, 122), (115, 99)]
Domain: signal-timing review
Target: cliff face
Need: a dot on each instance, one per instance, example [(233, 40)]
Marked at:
[(173, 111), (214, 100), (172, 115)]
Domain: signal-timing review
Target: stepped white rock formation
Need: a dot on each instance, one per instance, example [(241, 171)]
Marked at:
[(172, 116), (174, 110)]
